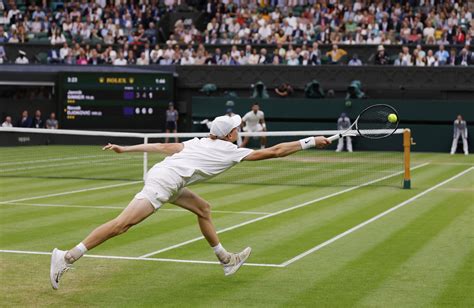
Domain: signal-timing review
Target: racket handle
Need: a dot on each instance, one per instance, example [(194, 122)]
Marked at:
[(335, 137)]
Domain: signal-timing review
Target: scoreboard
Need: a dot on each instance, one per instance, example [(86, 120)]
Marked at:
[(118, 101)]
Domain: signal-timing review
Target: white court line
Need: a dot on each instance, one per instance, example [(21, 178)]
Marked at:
[(121, 208), (363, 224), (73, 192), (139, 259), (280, 212)]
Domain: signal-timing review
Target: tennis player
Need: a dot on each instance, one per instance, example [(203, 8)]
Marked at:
[(188, 162), (254, 121)]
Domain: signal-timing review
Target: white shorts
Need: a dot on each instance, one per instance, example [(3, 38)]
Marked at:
[(251, 129), (161, 185)]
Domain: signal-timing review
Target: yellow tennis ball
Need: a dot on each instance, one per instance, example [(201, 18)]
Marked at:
[(392, 118)]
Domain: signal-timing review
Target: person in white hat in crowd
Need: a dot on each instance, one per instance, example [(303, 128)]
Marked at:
[(22, 59), (459, 130), (189, 162)]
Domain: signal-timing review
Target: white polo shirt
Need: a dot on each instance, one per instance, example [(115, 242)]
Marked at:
[(202, 159), (252, 120)]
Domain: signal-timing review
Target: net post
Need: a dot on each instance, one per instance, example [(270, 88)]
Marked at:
[(145, 159), (406, 158)]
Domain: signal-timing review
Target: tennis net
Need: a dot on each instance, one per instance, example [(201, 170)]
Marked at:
[(72, 154)]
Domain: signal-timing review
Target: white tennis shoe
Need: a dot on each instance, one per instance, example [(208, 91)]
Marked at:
[(236, 261), (58, 267)]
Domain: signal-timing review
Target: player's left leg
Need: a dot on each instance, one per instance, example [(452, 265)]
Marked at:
[(134, 213), (194, 203)]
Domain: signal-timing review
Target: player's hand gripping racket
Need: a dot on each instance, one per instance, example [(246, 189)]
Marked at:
[(374, 122)]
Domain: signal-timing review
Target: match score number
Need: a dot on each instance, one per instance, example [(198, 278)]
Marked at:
[(72, 80)]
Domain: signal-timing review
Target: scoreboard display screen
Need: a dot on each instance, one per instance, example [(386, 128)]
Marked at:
[(119, 101)]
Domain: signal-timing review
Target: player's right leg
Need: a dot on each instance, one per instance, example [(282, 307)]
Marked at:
[(134, 213), (190, 201)]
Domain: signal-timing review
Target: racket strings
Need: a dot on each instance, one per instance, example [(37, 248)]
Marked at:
[(374, 123)]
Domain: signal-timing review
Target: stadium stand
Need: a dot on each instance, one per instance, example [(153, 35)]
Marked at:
[(247, 32)]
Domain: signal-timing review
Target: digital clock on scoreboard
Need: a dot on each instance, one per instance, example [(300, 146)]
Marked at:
[(120, 101)]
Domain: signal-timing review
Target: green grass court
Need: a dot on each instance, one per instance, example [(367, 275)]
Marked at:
[(326, 229)]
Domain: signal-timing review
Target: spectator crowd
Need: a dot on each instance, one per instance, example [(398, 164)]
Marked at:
[(119, 32), (24, 120)]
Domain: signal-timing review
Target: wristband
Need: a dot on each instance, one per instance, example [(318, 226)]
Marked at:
[(264, 126), (308, 143)]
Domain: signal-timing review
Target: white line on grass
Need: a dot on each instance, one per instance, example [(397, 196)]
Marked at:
[(72, 192), (139, 259), (121, 208), (363, 224), (279, 212)]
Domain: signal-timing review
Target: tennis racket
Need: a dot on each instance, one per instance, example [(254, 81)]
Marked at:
[(372, 123)]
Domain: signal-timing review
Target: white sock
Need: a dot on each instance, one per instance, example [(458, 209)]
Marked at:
[(76, 253), (221, 253)]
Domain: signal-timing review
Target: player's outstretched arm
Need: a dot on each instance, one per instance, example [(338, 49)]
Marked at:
[(164, 148), (288, 148)]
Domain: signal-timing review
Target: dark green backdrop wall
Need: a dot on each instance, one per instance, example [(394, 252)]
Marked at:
[(430, 121)]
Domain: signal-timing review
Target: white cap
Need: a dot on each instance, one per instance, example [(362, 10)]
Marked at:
[(223, 125)]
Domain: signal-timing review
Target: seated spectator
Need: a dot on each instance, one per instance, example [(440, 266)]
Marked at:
[(399, 60), (94, 58), (3, 35), (431, 60), (51, 122), (419, 58), (442, 55), (53, 56), (143, 59), (22, 59), (355, 61), (24, 120), (464, 58), (37, 120), (406, 59), (293, 60), (263, 58), (63, 52), (3, 55), (315, 54), (452, 59), (82, 58), (7, 122), (254, 57), (381, 58), (187, 59), (336, 54), (120, 59), (57, 38)]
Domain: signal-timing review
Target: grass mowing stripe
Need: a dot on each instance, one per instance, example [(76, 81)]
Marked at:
[(423, 277), (136, 258), (74, 191), (121, 208), (458, 292), (280, 212), (383, 260), (363, 224)]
